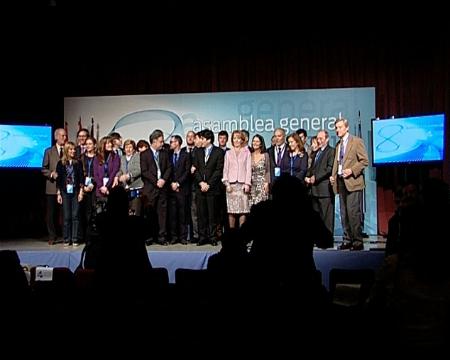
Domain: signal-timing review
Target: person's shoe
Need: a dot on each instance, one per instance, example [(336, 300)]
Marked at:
[(202, 242), (51, 242), (345, 246), (75, 244), (66, 244), (357, 246)]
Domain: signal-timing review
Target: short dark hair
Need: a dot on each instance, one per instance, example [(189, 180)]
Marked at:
[(156, 134), (142, 143), (208, 135), (83, 129), (115, 135), (302, 131), (223, 133), (178, 138)]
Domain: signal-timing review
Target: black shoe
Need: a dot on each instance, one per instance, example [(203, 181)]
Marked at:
[(184, 242), (148, 242), (345, 246), (202, 242), (357, 246)]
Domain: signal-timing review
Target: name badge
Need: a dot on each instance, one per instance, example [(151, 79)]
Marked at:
[(277, 171), (88, 181), (105, 181), (69, 188)]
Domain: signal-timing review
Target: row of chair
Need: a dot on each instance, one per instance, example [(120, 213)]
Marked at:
[(347, 287)]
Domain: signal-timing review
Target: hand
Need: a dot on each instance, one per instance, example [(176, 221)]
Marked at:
[(80, 196), (174, 186), (123, 178), (246, 188), (307, 180), (59, 198), (104, 190), (332, 180), (204, 187), (160, 183), (347, 173), (115, 182), (266, 188), (229, 189), (53, 175), (312, 179), (193, 169)]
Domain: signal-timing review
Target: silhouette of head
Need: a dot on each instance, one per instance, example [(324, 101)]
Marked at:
[(117, 202)]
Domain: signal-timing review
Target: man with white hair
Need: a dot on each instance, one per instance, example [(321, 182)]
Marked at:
[(51, 157)]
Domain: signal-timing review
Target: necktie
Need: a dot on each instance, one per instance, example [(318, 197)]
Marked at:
[(207, 153), (279, 156), (60, 152), (157, 157), (175, 159), (341, 151), (319, 153)]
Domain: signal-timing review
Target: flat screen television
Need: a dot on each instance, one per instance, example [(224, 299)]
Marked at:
[(23, 146), (408, 140)]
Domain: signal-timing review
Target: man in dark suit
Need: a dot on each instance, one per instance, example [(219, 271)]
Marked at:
[(156, 171), (82, 135), (208, 163), (179, 190), (347, 180), (223, 140), (193, 144), (279, 155), (318, 178), (51, 157)]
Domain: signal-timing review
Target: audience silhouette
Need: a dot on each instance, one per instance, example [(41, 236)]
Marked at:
[(410, 301), (123, 269)]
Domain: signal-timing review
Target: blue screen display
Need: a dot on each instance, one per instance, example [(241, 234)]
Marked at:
[(408, 140), (23, 146)]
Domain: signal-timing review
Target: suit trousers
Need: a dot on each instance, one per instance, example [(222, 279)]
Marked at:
[(207, 217), (350, 208), (325, 207)]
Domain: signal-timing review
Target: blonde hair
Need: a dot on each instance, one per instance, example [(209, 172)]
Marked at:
[(66, 158)]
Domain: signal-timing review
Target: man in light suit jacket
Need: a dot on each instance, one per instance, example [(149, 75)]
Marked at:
[(318, 178), (348, 181), (51, 157)]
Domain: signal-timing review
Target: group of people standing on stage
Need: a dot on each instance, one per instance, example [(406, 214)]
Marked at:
[(200, 189)]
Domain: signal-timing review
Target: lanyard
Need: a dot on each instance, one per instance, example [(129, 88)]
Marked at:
[(89, 166), (69, 173), (292, 164)]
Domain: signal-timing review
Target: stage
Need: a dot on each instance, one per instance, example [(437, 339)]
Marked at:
[(34, 252)]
